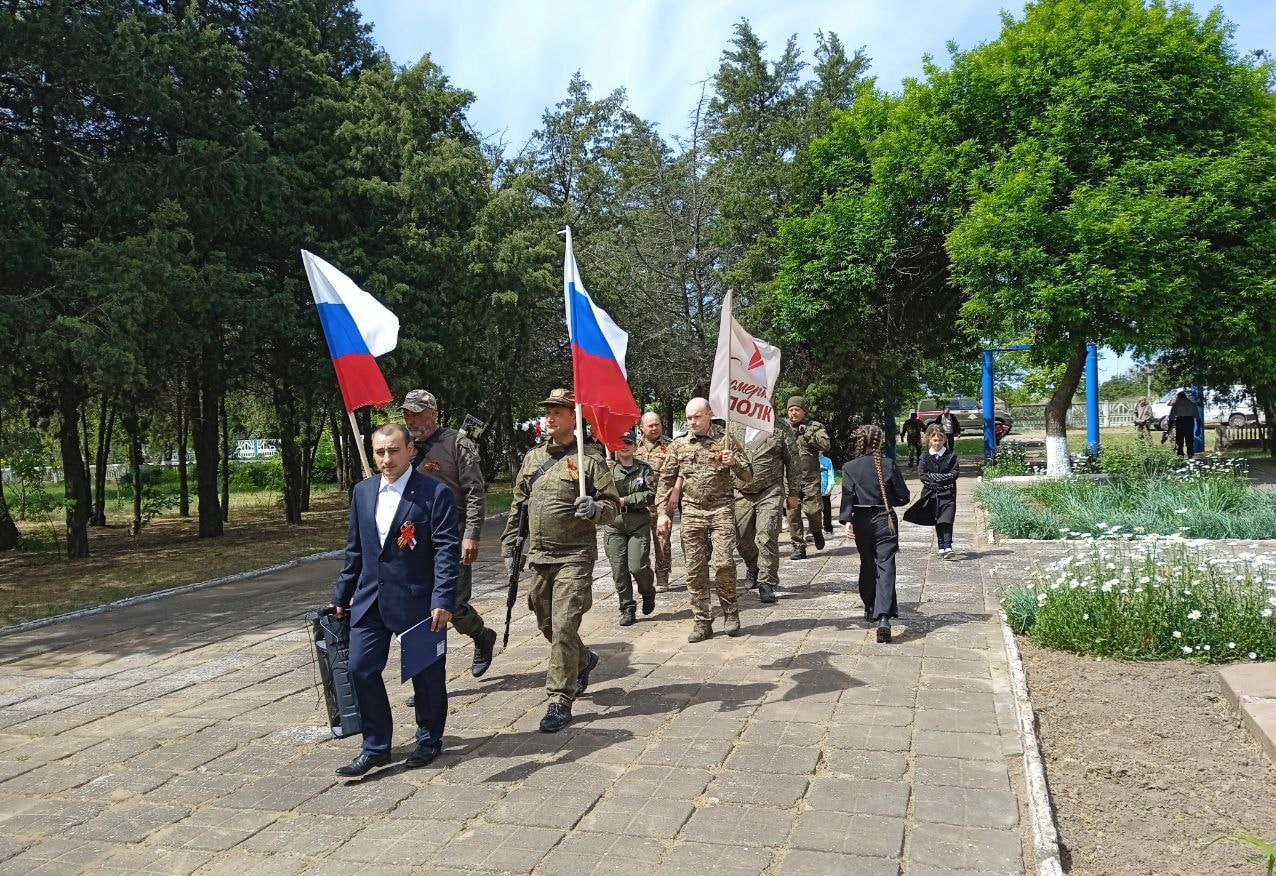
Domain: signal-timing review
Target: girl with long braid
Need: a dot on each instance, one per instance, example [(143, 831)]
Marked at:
[(872, 487)]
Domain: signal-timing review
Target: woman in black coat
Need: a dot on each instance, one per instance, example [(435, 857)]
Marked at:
[(937, 505), (872, 488)]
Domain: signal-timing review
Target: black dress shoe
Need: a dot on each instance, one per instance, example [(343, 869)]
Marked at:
[(556, 718), (364, 762), (423, 755), (818, 538), (483, 646), (582, 680), (884, 630), (648, 603)]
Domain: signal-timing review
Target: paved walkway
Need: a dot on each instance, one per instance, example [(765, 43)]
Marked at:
[(183, 736)]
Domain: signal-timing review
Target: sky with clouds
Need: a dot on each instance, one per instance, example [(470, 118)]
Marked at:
[(517, 56)]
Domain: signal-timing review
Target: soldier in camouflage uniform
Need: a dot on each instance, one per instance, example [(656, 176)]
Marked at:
[(653, 449), (562, 548), (812, 440), (760, 503), (445, 454), (705, 465), (627, 539)]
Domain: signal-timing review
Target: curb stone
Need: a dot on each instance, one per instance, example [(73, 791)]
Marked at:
[(1045, 834)]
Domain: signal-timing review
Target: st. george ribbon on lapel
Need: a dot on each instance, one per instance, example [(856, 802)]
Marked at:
[(409, 494)]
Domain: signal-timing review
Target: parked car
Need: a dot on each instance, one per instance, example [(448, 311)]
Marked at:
[(970, 413), (1232, 406)]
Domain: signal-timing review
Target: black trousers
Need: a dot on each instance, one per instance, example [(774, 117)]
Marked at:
[(828, 512), (1185, 436), (877, 544), (944, 533), (951, 442)]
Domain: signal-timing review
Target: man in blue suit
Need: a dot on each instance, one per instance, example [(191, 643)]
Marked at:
[(402, 564)]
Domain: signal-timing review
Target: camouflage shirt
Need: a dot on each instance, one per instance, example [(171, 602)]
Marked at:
[(707, 484), (555, 534), (654, 453), (773, 458), (812, 440)]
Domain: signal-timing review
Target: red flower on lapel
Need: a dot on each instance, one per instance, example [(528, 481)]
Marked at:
[(407, 535)]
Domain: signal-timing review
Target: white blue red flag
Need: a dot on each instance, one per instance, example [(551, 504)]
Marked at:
[(598, 359), (358, 328)]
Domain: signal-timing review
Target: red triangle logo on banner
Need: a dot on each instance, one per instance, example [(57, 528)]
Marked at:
[(755, 361)]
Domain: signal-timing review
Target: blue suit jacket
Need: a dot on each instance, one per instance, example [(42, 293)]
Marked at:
[(405, 583)]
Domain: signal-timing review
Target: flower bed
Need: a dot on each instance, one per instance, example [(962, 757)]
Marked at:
[(1152, 599)]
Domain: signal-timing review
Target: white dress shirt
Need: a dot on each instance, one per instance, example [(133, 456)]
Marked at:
[(388, 499), (940, 452)]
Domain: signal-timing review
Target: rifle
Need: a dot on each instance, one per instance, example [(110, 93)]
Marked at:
[(511, 593)]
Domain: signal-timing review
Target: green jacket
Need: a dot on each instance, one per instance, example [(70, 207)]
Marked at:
[(555, 534), (812, 440), (774, 459), (636, 485)]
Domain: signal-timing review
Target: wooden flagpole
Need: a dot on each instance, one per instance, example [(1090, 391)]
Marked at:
[(358, 442)]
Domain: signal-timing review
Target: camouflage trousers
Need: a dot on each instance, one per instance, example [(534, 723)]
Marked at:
[(559, 596), (700, 531), (811, 511), (661, 552), (757, 525)]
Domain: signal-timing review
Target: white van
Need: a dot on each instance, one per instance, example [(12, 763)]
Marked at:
[(1234, 406)]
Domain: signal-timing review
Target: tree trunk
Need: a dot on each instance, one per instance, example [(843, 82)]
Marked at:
[(338, 449), (74, 478), (133, 431), (9, 535), (286, 411), (106, 426), (221, 414), (87, 456), (202, 414), (1269, 414), (183, 437), (1058, 461)]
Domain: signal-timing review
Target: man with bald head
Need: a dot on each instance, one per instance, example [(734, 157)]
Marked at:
[(709, 471), (653, 449)]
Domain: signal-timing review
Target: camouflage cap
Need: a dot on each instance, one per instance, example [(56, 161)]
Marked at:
[(797, 401), (561, 398), (418, 400)]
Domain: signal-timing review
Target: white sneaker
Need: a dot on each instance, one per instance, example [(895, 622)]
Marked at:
[(947, 553)]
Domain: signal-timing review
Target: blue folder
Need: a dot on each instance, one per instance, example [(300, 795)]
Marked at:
[(421, 647)]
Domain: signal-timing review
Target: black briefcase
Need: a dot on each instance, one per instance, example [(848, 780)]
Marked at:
[(332, 650)]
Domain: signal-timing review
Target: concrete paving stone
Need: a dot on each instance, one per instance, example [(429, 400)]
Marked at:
[(653, 817), (304, 834), (253, 760), (449, 802), (10, 846), (277, 793), (970, 746), (783, 733), (53, 778), (969, 721), (855, 714), (897, 696), (239, 864), (869, 738), (805, 862), (965, 807), (47, 817), (889, 665), (335, 867), (596, 854), (867, 835), (940, 650), (944, 846), (699, 859), (858, 796), (931, 699), (156, 860), (955, 668), (573, 776), (757, 789), (960, 773), (195, 788), (696, 726), (409, 841), (888, 765), (186, 754), (807, 710), (538, 807), (482, 768), (699, 753), (736, 825), (370, 796), (109, 752), (767, 758), (129, 822), (59, 855), (501, 847), (660, 782), (123, 783), (613, 719), (953, 682)]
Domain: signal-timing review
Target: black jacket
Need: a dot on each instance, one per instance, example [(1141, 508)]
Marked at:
[(938, 501), (859, 485), (1183, 407)]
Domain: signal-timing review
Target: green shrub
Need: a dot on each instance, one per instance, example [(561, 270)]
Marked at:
[(1153, 599), (1008, 459), (257, 476)]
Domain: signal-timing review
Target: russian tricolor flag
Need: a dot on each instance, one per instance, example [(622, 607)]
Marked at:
[(358, 328), (598, 359)]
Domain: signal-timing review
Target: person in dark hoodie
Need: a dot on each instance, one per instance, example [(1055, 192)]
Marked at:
[(872, 487), (1183, 420), (937, 505)]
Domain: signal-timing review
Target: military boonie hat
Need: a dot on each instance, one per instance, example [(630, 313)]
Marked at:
[(418, 400), (560, 397), (797, 401)]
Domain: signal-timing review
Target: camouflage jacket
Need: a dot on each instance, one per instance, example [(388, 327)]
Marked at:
[(707, 484), (812, 440), (555, 534), (774, 460)]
